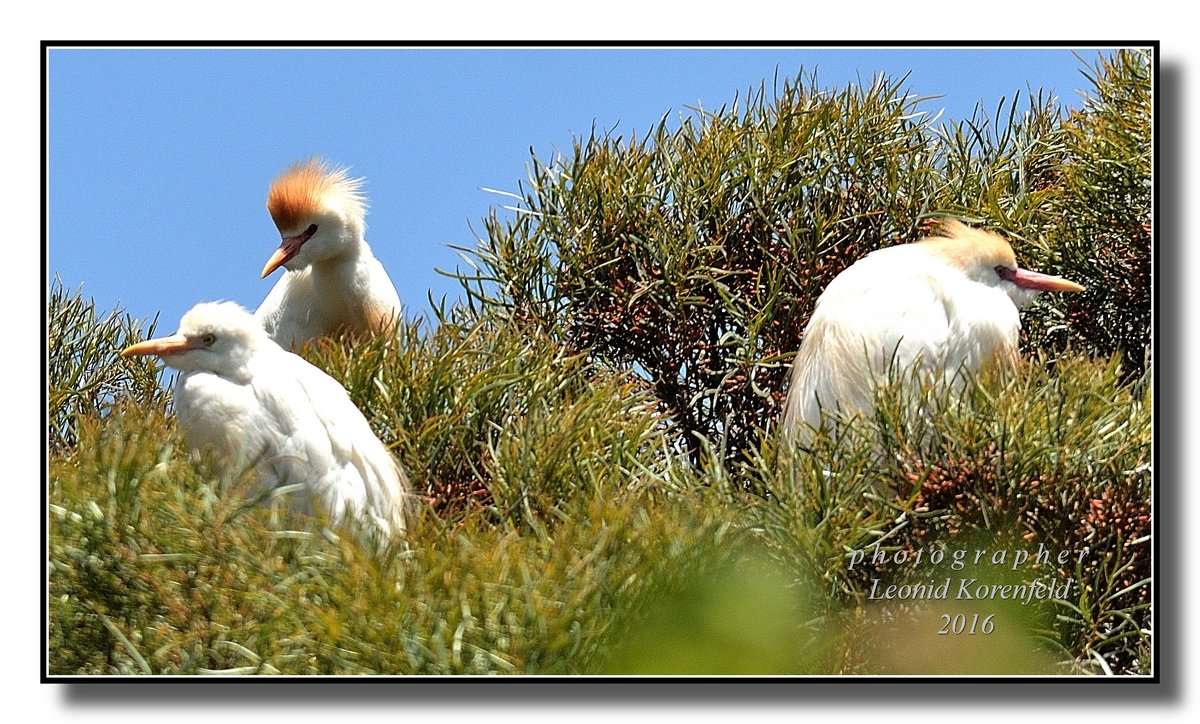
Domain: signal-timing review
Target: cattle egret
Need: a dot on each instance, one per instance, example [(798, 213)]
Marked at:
[(333, 284), (944, 304), (254, 403)]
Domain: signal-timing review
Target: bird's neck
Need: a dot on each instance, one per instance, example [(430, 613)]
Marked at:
[(342, 262)]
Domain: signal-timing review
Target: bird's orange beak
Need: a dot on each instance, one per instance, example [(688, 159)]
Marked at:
[(174, 344), (286, 251), (1043, 282)]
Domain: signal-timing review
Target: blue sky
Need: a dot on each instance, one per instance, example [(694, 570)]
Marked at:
[(159, 159)]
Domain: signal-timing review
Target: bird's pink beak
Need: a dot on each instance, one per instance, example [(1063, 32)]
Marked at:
[(286, 251), (1042, 282), (162, 346)]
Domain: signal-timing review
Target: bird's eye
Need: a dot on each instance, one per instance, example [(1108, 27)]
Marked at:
[(208, 339), (312, 229), (1004, 272)]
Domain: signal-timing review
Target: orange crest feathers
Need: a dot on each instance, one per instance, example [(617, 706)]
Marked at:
[(963, 245), (308, 186)]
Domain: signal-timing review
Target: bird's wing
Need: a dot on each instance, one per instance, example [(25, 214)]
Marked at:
[(382, 288), (380, 304), (269, 311), (285, 313), (351, 468), (225, 417), (859, 334)]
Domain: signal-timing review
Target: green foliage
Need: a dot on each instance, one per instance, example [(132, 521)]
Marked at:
[(1101, 221), (691, 256), (1060, 460), (497, 415), (742, 617), (85, 369), (157, 568), (592, 434)]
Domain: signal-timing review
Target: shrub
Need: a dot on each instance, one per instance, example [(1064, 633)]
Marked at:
[(84, 368), (693, 256), (593, 430)]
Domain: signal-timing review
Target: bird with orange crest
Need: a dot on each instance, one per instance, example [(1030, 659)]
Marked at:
[(333, 283), (942, 306)]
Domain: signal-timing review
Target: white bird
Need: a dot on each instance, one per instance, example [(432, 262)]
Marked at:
[(254, 403), (946, 303), (333, 283)]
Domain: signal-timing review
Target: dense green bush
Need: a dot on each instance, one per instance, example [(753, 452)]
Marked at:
[(592, 431), (1056, 459), (85, 370), (157, 566), (693, 256), (495, 413)]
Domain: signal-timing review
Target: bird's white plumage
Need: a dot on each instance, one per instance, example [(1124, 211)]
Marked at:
[(938, 306), (323, 299), (333, 283), (256, 404)]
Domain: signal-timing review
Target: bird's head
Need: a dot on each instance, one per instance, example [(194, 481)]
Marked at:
[(988, 259), (319, 211), (218, 337)]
